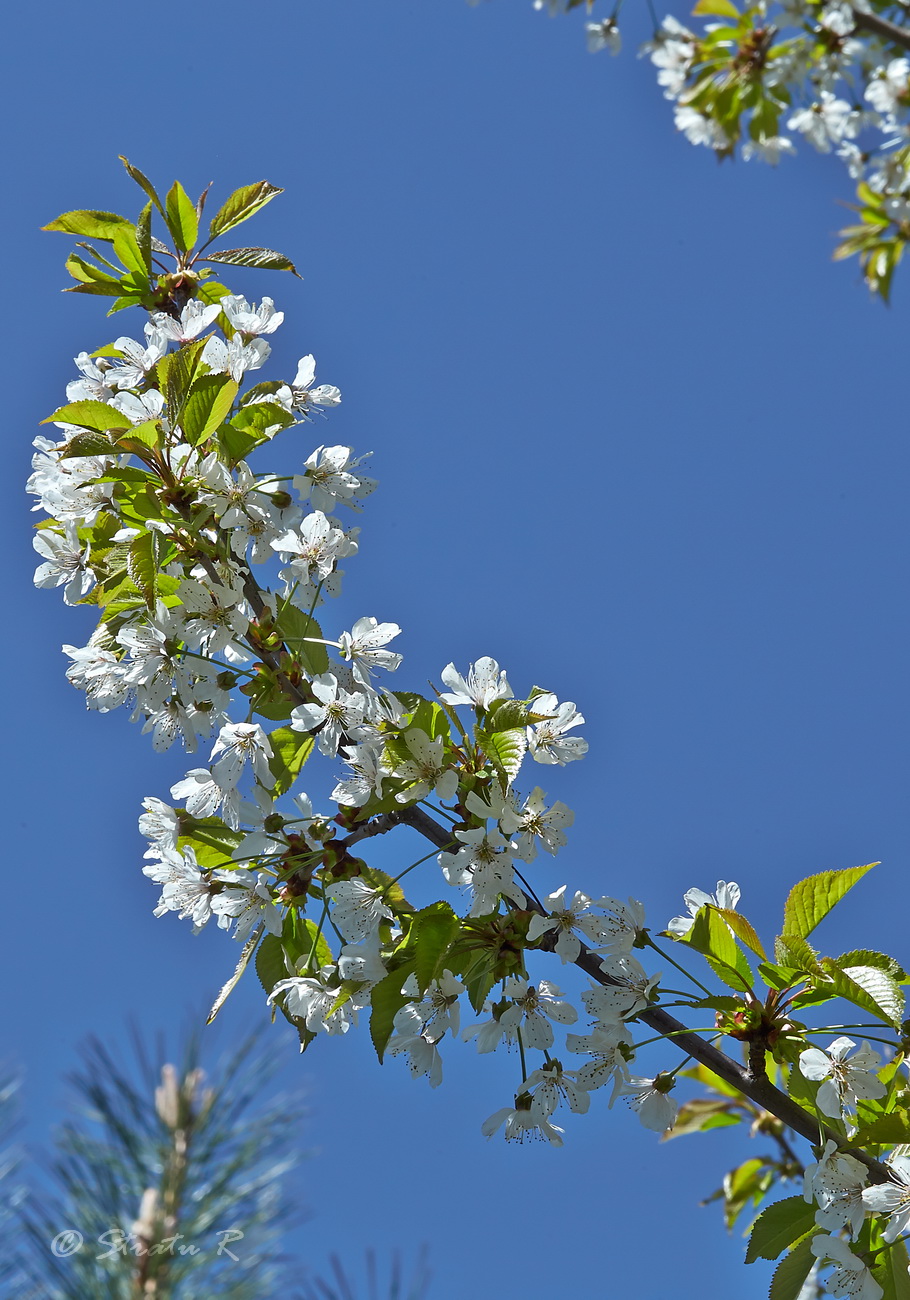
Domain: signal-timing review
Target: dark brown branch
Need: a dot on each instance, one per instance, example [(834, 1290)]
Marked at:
[(753, 1084), (756, 1086), (888, 31)]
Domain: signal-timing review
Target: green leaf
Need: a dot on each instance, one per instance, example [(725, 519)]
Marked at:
[(888, 1130), (97, 416), (181, 218), (295, 627), (867, 987), (779, 1226), (868, 957), (243, 961), (176, 373), (144, 563), (793, 952), (307, 943), (126, 300), (701, 1074), (710, 935), (233, 445), (92, 279), (743, 930), (90, 222), (792, 1272), (87, 444), (144, 237), (387, 1000), (126, 246), (241, 205), (812, 899), (207, 406), (270, 964), (746, 1184), (266, 259), (778, 977), (290, 750), (890, 1272), (212, 842), (505, 715), (261, 418), (722, 8), (433, 931), (139, 439), (701, 1114), (505, 750), (143, 182)]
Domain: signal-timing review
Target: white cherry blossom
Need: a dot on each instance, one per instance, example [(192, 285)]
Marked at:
[(485, 683), (850, 1277), (726, 896), (547, 740), (843, 1081)]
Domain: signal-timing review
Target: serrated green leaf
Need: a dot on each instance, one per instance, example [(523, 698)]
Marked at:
[(87, 444), (433, 931), (710, 935), (91, 278), (241, 205), (207, 406), (290, 750), (792, 1272), (811, 900), (140, 438), (144, 237), (505, 750), (262, 419), (90, 222), (181, 217), (743, 930), (869, 957), (890, 1130), (176, 374), (233, 445), (778, 1227), (386, 1000), (143, 182), (126, 246), (793, 952), (778, 977), (890, 1272), (97, 416), (506, 715), (266, 259), (869, 988), (143, 565)]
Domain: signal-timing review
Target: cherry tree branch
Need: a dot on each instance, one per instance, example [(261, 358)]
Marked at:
[(753, 1084), (888, 31)]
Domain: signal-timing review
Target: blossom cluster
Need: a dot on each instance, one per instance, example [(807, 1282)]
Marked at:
[(211, 581), (757, 79)]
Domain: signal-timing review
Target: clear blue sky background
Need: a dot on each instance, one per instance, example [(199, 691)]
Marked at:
[(636, 437)]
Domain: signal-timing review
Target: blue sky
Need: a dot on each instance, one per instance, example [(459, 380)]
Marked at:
[(637, 438)]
